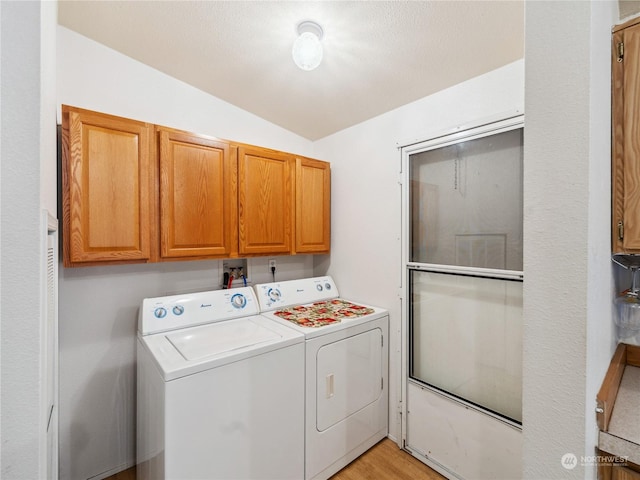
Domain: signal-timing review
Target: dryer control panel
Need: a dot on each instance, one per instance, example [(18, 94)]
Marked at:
[(161, 314), (273, 296)]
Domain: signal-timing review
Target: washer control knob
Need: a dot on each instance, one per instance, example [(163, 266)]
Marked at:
[(274, 294), (238, 300), (319, 287), (178, 310), (327, 286), (160, 312)]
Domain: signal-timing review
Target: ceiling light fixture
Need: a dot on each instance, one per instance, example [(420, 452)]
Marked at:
[(307, 49)]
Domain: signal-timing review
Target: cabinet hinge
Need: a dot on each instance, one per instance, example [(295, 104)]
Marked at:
[(620, 51), (620, 230)]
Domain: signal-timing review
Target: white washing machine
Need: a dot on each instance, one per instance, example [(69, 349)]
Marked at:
[(220, 390), (346, 364)]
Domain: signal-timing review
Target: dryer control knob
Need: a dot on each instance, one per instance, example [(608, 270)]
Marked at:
[(319, 287), (274, 294), (238, 300), (178, 310), (160, 312), (327, 286)]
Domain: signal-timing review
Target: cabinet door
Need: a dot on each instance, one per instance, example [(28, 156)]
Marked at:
[(313, 206), (107, 181), (626, 140), (264, 201), (623, 473), (197, 196)]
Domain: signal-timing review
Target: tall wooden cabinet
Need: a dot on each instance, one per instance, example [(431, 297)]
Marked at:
[(198, 187), (626, 138), (107, 181)]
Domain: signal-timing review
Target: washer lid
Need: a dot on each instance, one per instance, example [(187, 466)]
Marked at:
[(183, 352), (222, 337)]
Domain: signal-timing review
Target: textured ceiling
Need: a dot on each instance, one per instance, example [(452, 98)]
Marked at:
[(378, 55)]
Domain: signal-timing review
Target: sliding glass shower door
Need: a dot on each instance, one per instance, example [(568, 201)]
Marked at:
[(464, 294)]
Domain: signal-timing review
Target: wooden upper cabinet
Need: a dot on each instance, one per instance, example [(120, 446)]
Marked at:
[(106, 186), (626, 138), (313, 206), (198, 191), (137, 192), (265, 198)]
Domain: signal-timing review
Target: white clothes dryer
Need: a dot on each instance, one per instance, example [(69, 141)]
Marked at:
[(346, 352), (220, 390)]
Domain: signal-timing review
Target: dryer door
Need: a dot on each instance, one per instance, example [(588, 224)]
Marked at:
[(349, 377)]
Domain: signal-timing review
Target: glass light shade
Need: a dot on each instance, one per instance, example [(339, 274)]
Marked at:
[(307, 51)]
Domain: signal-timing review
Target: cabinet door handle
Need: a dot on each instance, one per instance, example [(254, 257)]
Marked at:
[(620, 52), (620, 230)]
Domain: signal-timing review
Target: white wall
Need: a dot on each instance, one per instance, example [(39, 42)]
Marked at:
[(48, 134), (365, 161), (97, 78), (568, 273), (601, 341), (27, 103), (98, 305)]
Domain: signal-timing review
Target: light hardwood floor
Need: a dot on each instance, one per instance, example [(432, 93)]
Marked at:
[(385, 461)]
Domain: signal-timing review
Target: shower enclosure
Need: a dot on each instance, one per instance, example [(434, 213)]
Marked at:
[(463, 300)]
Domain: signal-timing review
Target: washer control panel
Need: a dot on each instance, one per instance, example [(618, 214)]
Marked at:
[(178, 311), (273, 296)]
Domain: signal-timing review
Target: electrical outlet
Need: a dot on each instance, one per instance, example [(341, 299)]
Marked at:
[(272, 264)]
